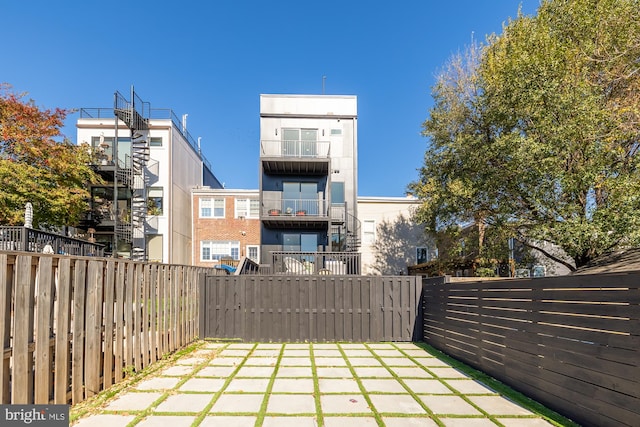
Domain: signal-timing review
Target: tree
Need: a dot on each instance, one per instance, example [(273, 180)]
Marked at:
[(34, 167), (539, 135)]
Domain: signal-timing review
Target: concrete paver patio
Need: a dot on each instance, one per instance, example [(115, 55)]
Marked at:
[(266, 384)]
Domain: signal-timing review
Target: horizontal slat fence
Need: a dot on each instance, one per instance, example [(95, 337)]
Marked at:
[(73, 326), (571, 343), (286, 308)]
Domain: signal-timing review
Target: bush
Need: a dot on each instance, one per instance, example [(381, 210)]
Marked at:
[(485, 272)]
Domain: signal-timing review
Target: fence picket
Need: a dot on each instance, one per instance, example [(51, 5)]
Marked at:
[(43, 324), (118, 345), (145, 316), (109, 301), (153, 313), (23, 330), (6, 291), (63, 320), (77, 349), (93, 328)]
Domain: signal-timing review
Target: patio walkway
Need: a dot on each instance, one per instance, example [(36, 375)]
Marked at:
[(240, 384)]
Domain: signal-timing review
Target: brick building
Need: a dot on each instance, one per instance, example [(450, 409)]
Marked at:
[(226, 225)]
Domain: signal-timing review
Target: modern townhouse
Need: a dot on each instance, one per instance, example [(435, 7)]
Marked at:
[(308, 183)]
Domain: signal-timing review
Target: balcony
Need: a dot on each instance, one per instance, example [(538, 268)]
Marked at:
[(296, 213), (295, 157), (29, 240)]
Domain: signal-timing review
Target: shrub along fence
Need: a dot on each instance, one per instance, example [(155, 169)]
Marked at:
[(571, 343), (73, 326), (311, 308)]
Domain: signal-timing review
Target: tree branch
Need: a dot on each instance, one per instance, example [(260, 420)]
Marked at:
[(547, 254)]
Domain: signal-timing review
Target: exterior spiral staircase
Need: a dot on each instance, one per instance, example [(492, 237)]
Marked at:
[(134, 114), (345, 227)]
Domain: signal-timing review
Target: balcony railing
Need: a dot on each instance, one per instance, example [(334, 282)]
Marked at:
[(294, 207), (315, 263), (295, 149), (29, 240)]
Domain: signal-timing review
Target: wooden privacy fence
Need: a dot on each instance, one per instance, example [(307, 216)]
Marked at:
[(71, 327), (310, 308), (571, 343)]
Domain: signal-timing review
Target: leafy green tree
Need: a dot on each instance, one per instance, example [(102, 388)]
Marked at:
[(35, 168), (537, 132)]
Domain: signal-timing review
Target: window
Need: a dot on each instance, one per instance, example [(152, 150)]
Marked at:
[(300, 197), (104, 150), (155, 141), (155, 200), (369, 231), (299, 242), (247, 208), (337, 192), (211, 208), (335, 132), (211, 250), (299, 142), (253, 253)]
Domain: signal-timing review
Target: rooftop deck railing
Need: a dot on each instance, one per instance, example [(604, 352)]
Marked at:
[(154, 113)]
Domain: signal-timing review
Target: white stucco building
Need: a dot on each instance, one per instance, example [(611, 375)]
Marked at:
[(391, 241)]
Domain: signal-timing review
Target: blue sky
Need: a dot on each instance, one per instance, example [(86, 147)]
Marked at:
[(212, 60)]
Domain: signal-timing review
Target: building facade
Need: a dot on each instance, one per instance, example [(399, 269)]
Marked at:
[(391, 240), (308, 174), (226, 225), (149, 163)]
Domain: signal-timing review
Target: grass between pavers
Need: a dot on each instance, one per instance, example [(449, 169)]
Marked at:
[(364, 392), (267, 393), (95, 403), (316, 387), (499, 387), (217, 395)]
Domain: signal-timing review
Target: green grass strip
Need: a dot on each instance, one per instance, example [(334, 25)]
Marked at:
[(316, 388), (265, 401), (93, 404), (363, 390), (150, 410), (202, 415)]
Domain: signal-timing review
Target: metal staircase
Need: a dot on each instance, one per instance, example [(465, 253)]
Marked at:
[(353, 233), (346, 228), (135, 115)]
